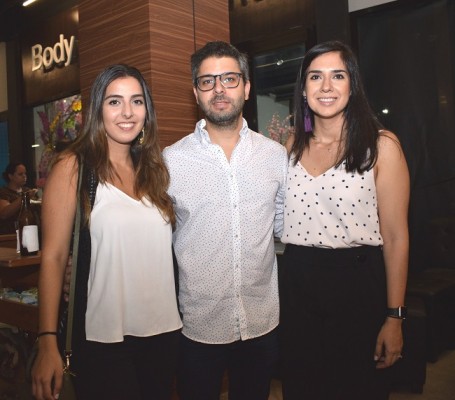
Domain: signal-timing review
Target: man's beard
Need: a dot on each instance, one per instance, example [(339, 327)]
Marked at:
[(224, 119)]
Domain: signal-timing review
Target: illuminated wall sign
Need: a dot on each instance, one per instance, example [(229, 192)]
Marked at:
[(50, 58), (60, 54)]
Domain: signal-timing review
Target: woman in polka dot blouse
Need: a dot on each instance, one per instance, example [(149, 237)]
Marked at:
[(345, 264)]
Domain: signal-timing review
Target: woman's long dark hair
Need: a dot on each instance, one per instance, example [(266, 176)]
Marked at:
[(360, 128), (151, 174)]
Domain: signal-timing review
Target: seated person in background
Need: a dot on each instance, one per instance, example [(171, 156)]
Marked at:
[(15, 175)]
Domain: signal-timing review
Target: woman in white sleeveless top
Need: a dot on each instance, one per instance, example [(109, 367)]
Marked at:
[(345, 227), (126, 323)]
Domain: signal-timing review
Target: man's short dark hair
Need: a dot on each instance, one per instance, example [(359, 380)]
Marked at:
[(219, 49)]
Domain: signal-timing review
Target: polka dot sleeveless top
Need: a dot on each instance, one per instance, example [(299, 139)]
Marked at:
[(336, 209)]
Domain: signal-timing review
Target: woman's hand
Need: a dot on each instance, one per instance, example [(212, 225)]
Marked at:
[(389, 343), (47, 372), (32, 193)]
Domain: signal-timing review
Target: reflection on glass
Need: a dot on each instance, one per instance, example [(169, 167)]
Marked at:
[(55, 125), (275, 74)]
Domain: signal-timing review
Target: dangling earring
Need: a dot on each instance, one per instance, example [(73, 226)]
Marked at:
[(306, 116), (141, 139)]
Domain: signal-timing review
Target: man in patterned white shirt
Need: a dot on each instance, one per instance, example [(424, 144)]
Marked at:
[(227, 184)]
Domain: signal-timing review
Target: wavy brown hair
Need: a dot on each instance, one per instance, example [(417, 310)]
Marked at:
[(91, 147)]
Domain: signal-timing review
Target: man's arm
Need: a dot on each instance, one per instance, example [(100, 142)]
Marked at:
[(279, 199)]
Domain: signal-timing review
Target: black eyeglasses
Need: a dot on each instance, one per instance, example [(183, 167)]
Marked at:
[(229, 80)]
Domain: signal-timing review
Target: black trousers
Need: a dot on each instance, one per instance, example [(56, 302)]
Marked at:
[(250, 365), (333, 304), (139, 368)]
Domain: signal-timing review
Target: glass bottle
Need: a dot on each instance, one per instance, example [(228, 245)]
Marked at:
[(28, 228)]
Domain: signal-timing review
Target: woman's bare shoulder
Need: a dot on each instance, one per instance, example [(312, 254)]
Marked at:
[(64, 171), (389, 142), (65, 163)]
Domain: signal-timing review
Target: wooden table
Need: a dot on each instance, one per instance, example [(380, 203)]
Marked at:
[(19, 273), (8, 240)]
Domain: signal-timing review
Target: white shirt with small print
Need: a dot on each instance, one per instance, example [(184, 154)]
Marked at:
[(228, 212)]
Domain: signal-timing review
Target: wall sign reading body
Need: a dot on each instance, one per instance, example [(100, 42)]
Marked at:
[(60, 54), (50, 58)]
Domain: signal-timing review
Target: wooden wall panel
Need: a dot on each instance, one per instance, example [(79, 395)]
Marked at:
[(211, 21), (158, 37), (112, 32), (171, 28)]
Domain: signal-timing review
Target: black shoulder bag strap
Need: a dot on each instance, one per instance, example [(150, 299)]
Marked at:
[(77, 225)]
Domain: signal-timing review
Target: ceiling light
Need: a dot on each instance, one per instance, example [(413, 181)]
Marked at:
[(28, 2)]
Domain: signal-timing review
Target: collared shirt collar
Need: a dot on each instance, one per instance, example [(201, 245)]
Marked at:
[(203, 135)]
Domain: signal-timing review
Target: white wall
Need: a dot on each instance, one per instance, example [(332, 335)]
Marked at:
[(3, 81), (355, 5)]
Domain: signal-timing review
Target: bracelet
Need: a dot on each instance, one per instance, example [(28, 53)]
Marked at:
[(46, 333)]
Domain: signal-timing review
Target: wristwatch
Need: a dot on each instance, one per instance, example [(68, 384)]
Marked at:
[(399, 312)]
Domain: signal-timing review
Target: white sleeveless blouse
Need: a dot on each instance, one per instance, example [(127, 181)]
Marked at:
[(336, 209), (131, 287)]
